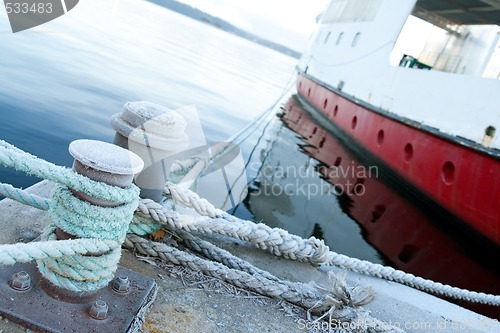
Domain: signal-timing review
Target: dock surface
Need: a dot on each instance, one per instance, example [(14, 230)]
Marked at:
[(188, 301)]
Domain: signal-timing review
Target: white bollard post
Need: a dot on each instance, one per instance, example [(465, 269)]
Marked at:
[(154, 133)]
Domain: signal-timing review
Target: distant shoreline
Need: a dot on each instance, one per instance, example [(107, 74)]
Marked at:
[(219, 23)]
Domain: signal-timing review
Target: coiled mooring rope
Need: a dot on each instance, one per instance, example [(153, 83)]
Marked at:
[(99, 228)]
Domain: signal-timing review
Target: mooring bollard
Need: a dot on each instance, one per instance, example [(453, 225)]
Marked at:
[(103, 296), (154, 133), (102, 162)]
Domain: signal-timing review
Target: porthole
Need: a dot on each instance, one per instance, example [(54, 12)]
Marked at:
[(322, 142), (359, 188), (407, 253), (448, 173), (354, 122), (380, 137), (408, 152), (377, 213)]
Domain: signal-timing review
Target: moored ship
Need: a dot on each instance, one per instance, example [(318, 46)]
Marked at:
[(432, 117), (410, 237)]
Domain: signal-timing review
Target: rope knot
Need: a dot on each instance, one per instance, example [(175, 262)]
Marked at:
[(321, 251)]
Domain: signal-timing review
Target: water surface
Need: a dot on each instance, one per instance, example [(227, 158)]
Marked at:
[(62, 81)]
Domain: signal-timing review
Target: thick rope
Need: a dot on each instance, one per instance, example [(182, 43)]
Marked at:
[(23, 197), (257, 283), (337, 301), (279, 242), (391, 274), (305, 295), (213, 252), (13, 157), (11, 254), (76, 271), (192, 200), (85, 220), (80, 272)]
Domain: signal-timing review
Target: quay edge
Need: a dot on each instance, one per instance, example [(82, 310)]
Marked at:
[(181, 308)]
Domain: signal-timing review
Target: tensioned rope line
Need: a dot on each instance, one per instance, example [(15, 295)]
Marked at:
[(64, 262), (280, 242), (89, 263), (13, 157), (219, 150), (338, 302)]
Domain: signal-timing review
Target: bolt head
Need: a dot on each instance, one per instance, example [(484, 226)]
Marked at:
[(21, 281), (121, 284), (99, 310)]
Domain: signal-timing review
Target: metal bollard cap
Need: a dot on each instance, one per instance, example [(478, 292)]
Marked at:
[(106, 157), (151, 125)]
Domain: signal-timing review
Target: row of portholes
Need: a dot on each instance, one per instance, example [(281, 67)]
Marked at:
[(340, 37), (354, 121), (447, 170)]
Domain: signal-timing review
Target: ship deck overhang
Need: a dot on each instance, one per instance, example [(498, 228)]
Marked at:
[(446, 13)]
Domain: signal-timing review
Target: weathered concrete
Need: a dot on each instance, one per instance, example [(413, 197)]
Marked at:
[(190, 302)]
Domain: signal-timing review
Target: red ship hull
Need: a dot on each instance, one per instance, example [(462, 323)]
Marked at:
[(405, 234), (463, 180)]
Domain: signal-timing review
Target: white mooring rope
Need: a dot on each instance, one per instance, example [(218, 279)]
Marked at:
[(315, 251), (88, 263)]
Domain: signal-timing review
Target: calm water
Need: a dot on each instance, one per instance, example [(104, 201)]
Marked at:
[(63, 81)]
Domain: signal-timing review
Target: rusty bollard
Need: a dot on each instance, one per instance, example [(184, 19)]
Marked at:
[(102, 162)]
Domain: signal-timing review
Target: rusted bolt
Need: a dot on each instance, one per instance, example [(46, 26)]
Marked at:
[(121, 284), (21, 281), (99, 310)]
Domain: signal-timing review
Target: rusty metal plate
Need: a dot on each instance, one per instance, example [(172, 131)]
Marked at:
[(36, 310)]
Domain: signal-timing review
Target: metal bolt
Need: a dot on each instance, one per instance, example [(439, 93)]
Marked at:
[(21, 281), (99, 310), (121, 284)]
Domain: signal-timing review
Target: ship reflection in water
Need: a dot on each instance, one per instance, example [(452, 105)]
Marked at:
[(312, 185)]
